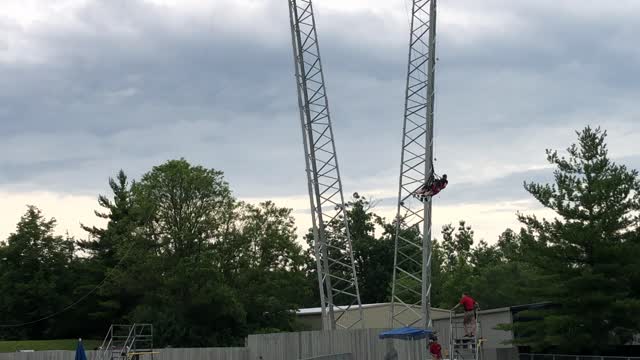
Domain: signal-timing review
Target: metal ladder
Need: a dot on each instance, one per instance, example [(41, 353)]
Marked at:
[(124, 342), (461, 347)]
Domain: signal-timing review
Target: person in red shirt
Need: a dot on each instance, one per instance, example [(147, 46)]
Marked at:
[(470, 306), (435, 349)]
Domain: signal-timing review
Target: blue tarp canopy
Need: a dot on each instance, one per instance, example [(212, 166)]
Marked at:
[(406, 333), (80, 355)]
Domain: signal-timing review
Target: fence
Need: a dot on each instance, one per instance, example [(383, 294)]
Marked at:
[(525, 356), (359, 344), (165, 354), (364, 344)]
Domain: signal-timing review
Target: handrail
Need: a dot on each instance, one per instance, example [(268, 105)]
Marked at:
[(125, 346), (123, 343), (106, 344), (138, 333), (104, 350), (451, 334), (107, 337)]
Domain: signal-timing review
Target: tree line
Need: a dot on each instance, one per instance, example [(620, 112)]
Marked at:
[(180, 251)]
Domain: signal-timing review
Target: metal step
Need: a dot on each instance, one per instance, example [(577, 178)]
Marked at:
[(470, 347), (465, 340), (465, 343)]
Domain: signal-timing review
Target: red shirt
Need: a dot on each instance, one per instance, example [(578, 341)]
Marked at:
[(436, 350), (467, 302)]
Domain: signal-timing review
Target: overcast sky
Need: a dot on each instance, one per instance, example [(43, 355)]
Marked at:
[(88, 87)]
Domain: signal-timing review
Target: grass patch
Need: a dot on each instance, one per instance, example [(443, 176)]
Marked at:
[(39, 345)]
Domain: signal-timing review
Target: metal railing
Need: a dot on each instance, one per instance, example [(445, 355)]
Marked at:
[(114, 341), (121, 340), (462, 348), (140, 338)]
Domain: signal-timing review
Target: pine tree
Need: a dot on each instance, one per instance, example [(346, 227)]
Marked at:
[(111, 251), (585, 255), (35, 277)]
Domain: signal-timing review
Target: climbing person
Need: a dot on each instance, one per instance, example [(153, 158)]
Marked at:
[(470, 306), (433, 187), (435, 349)]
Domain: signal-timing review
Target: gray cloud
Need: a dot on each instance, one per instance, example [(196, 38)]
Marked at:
[(132, 84)]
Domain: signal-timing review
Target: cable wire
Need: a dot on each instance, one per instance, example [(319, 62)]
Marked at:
[(68, 307)]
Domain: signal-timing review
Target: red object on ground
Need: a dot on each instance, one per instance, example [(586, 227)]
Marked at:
[(436, 350)]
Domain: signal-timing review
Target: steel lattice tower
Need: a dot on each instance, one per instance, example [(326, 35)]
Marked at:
[(332, 242), (412, 257)]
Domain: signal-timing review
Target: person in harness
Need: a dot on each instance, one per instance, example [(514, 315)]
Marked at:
[(433, 187)]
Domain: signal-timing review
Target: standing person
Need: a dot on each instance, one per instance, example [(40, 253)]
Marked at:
[(435, 349), (470, 306)]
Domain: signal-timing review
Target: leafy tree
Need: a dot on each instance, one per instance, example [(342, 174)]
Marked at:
[(111, 253), (35, 277), (373, 257), (408, 289), (185, 208), (586, 254), (484, 256), (457, 268), (438, 275), (193, 306), (501, 274), (267, 266), (104, 243), (457, 246)]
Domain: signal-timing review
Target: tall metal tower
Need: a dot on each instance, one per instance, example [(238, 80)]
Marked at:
[(411, 294), (332, 242)]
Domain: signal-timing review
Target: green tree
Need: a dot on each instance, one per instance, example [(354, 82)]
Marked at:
[(373, 256), (501, 274), (192, 305), (409, 289), (185, 208), (110, 253), (586, 254), (457, 245), (103, 244), (265, 264), (457, 268), (361, 229), (184, 211), (35, 277), (438, 275)]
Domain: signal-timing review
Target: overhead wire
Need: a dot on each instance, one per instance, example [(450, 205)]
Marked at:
[(78, 301)]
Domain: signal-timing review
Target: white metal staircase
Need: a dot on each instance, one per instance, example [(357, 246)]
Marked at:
[(125, 342), (463, 347)]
